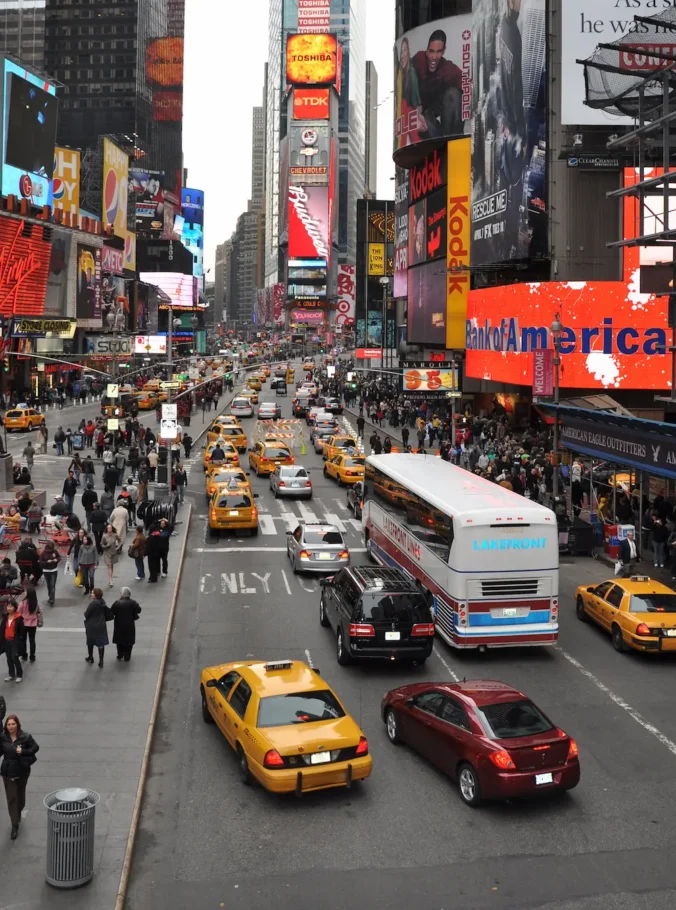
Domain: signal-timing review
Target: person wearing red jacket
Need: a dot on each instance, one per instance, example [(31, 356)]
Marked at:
[(440, 88)]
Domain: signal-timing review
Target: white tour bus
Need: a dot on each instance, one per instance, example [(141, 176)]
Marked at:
[(488, 558)]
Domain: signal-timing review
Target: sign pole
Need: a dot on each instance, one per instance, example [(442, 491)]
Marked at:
[(170, 349)]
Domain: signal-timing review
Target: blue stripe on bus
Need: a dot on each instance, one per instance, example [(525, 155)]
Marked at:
[(486, 632), (485, 619)]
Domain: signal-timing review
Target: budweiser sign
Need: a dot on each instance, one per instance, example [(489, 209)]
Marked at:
[(308, 222), (24, 267)]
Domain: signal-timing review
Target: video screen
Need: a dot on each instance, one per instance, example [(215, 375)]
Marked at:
[(31, 127), (427, 304)]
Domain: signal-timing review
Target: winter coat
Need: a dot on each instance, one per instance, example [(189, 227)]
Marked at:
[(111, 545), (49, 560), (125, 613), (156, 546), (89, 497), (15, 764), (119, 518), (95, 618), (88, 555), (107, 502), (19, 630), (139, 544), (99, 519)]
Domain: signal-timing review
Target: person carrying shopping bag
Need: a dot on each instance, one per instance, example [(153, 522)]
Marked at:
[(111, 546), (74, 549)]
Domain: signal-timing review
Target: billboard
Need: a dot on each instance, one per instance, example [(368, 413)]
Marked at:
[(347, 295), (150, 344), (88, 292), (164, 71), (309, 154), (27, 140), (424, 381), (400, 232), (192, 205), (307, 317), (115, 185), (278, 303), (130, 251), (25, 256), (114, 303), (543, 372), (582, 28), (509, 216), (65, 193), (311, 104), (376, 259), (311, 59), (178, 287), (192, 210), (57, 283), (432, 73), (613, 336), (314, 16), (148, 190), (457, 239), (427, 304), (112, 260), (309, 230)]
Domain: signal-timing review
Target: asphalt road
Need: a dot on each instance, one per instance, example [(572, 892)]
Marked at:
[(402, 839)]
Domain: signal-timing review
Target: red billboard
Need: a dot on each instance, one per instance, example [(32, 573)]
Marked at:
[(311, 104), (25, 253), (309, 222)]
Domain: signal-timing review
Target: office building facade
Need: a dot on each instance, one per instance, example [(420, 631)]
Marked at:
[(22, 31), (371, 131)]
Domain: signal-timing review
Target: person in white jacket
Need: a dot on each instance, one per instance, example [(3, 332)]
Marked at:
[(119, 519)]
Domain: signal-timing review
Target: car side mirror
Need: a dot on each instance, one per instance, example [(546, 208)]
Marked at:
[(255, 495), (211, 684), (591, 590), (325, 583)]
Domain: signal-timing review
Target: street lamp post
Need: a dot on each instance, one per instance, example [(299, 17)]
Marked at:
[(383, 329), (556, 329), (171, 325)]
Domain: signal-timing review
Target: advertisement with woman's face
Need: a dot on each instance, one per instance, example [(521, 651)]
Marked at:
[(432, 81)]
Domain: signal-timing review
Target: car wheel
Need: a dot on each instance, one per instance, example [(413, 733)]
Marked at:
[(618, 640), (243, 767), (342, 656), (468, 783), (30, 427), (206, 713), (580, 611), (392, 725), (326, 473), (323, 619), (294, 568), (341, 483)]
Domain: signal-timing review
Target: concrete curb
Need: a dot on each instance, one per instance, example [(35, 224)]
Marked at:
[(131, 839)]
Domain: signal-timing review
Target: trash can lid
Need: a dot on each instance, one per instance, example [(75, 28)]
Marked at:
[(72, 795)]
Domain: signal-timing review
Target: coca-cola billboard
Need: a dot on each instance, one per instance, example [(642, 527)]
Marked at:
[(309, 222)]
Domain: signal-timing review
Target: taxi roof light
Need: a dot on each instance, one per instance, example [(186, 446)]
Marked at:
[(640, 578), (278, 665)]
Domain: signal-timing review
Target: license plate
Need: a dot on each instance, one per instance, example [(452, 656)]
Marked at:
[(324, 555), (670, 633), (392, 636), (295, 484), (320, 758), (234, 512), (509, 611), (544, 779)]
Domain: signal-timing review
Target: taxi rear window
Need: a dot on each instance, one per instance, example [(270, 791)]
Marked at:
[(298, 708), (276, 453), (231, 431), (15, 414), (344, 443), (652, 603), (235, 501), (354, 462)]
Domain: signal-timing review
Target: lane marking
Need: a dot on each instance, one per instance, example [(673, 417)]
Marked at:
[(286, 582), (632, 712), (452, 673), (308, 658)]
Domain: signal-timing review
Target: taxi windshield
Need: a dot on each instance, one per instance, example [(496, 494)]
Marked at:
[(227, 476), (298, 708), (234, 501), (652, 603)]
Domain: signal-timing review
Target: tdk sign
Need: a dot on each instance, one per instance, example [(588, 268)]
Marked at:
[(525, 543)]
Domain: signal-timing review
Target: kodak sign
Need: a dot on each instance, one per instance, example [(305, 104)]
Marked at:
[(458, 239), (311, 104)]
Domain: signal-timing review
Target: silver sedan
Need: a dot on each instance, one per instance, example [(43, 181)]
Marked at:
[(291, 480), (319, 438), (268, 410), (316, 547)]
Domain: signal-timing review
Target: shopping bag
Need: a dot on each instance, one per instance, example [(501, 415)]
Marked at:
[(78, 579), (68, 569), (618, 567)]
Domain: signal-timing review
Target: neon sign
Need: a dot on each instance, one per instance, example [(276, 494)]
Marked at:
[(24, 267)]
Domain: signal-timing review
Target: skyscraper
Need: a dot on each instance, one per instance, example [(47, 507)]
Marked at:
[(22, 30), (371, 114), (347, 21), (258, 160), (122, 75)]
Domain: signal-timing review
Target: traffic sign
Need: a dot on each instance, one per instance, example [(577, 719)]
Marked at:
[(171, 384), (169, 412), (113, 390), (168, 429), (113, 423)]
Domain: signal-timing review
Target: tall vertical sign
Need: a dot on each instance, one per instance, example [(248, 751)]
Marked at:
[(115, 187), (458, 238), (66, 182)]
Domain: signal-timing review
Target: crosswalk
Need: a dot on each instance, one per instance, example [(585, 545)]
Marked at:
[(280, 516)]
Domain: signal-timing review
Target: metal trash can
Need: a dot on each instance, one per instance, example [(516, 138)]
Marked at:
[(70, 836)]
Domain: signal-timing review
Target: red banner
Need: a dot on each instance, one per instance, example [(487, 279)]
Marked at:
[(543, 376), (24, 267), (369, 353)]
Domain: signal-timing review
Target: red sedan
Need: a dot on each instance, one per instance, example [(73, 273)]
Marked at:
[(485, 735)]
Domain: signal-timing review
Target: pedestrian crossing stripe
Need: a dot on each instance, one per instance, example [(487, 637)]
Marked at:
[(291, 512)]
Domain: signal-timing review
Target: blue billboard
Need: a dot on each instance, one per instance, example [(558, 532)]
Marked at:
[(28, 134), (192, 235)]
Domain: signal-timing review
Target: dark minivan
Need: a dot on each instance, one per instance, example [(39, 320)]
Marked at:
[(376, 612)]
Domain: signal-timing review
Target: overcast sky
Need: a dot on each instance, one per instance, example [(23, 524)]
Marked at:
[(225, 51)]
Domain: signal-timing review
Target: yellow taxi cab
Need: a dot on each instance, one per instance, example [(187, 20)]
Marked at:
[(218, 478), (289, 729), (290, 376), (230, 455), (346, 468), (232, 509), (23, 419), (224, 420), (249, 393), (308, 366), (231, 432), (265, 456), (254, 383), (153, 385), (338, 445), (147, 400), (638, 612), (266, 370)]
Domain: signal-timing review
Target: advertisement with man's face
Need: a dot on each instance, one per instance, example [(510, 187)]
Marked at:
[(509, 151), (88, 294), (432, 91)]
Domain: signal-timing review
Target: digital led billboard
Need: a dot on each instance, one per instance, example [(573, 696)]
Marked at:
[(309, 228), (427, 304), (88, 293), (311, 103), (115, 187), (311, 59), (65, 186), (178, 287)]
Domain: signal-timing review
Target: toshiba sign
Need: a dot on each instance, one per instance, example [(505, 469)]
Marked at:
[(311, 104)]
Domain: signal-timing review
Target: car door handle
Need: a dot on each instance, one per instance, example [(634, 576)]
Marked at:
[(236, 726)]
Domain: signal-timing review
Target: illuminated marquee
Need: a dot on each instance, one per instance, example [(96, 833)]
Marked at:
[(311, 59)]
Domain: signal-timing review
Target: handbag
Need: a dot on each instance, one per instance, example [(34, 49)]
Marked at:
[(132, 552), (41, 618), (78, 579)]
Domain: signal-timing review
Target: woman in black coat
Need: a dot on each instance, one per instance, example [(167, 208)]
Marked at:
[(156, 547), (96, 616), (18, 754), (125, 613)]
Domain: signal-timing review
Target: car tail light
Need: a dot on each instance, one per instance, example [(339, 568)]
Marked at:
[(572, 750), (212, 514), (350, 474), (503, 760), (423, 628), (303, 554), (643, 629), (254, 512), (360, 630), (363, 747), (281, 483), (273, 759), (343, 554)]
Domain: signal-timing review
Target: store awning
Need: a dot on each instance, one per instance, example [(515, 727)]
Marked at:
[(646, 445)]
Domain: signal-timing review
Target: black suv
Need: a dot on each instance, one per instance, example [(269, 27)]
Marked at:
[(376, 612)]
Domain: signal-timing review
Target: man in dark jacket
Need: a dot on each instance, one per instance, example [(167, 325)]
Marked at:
[(99, 520), (629, 555), (69, 490), (27, 560), (155, 549), (125, 613), (89, 499), (59, 509), (110, 478)]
